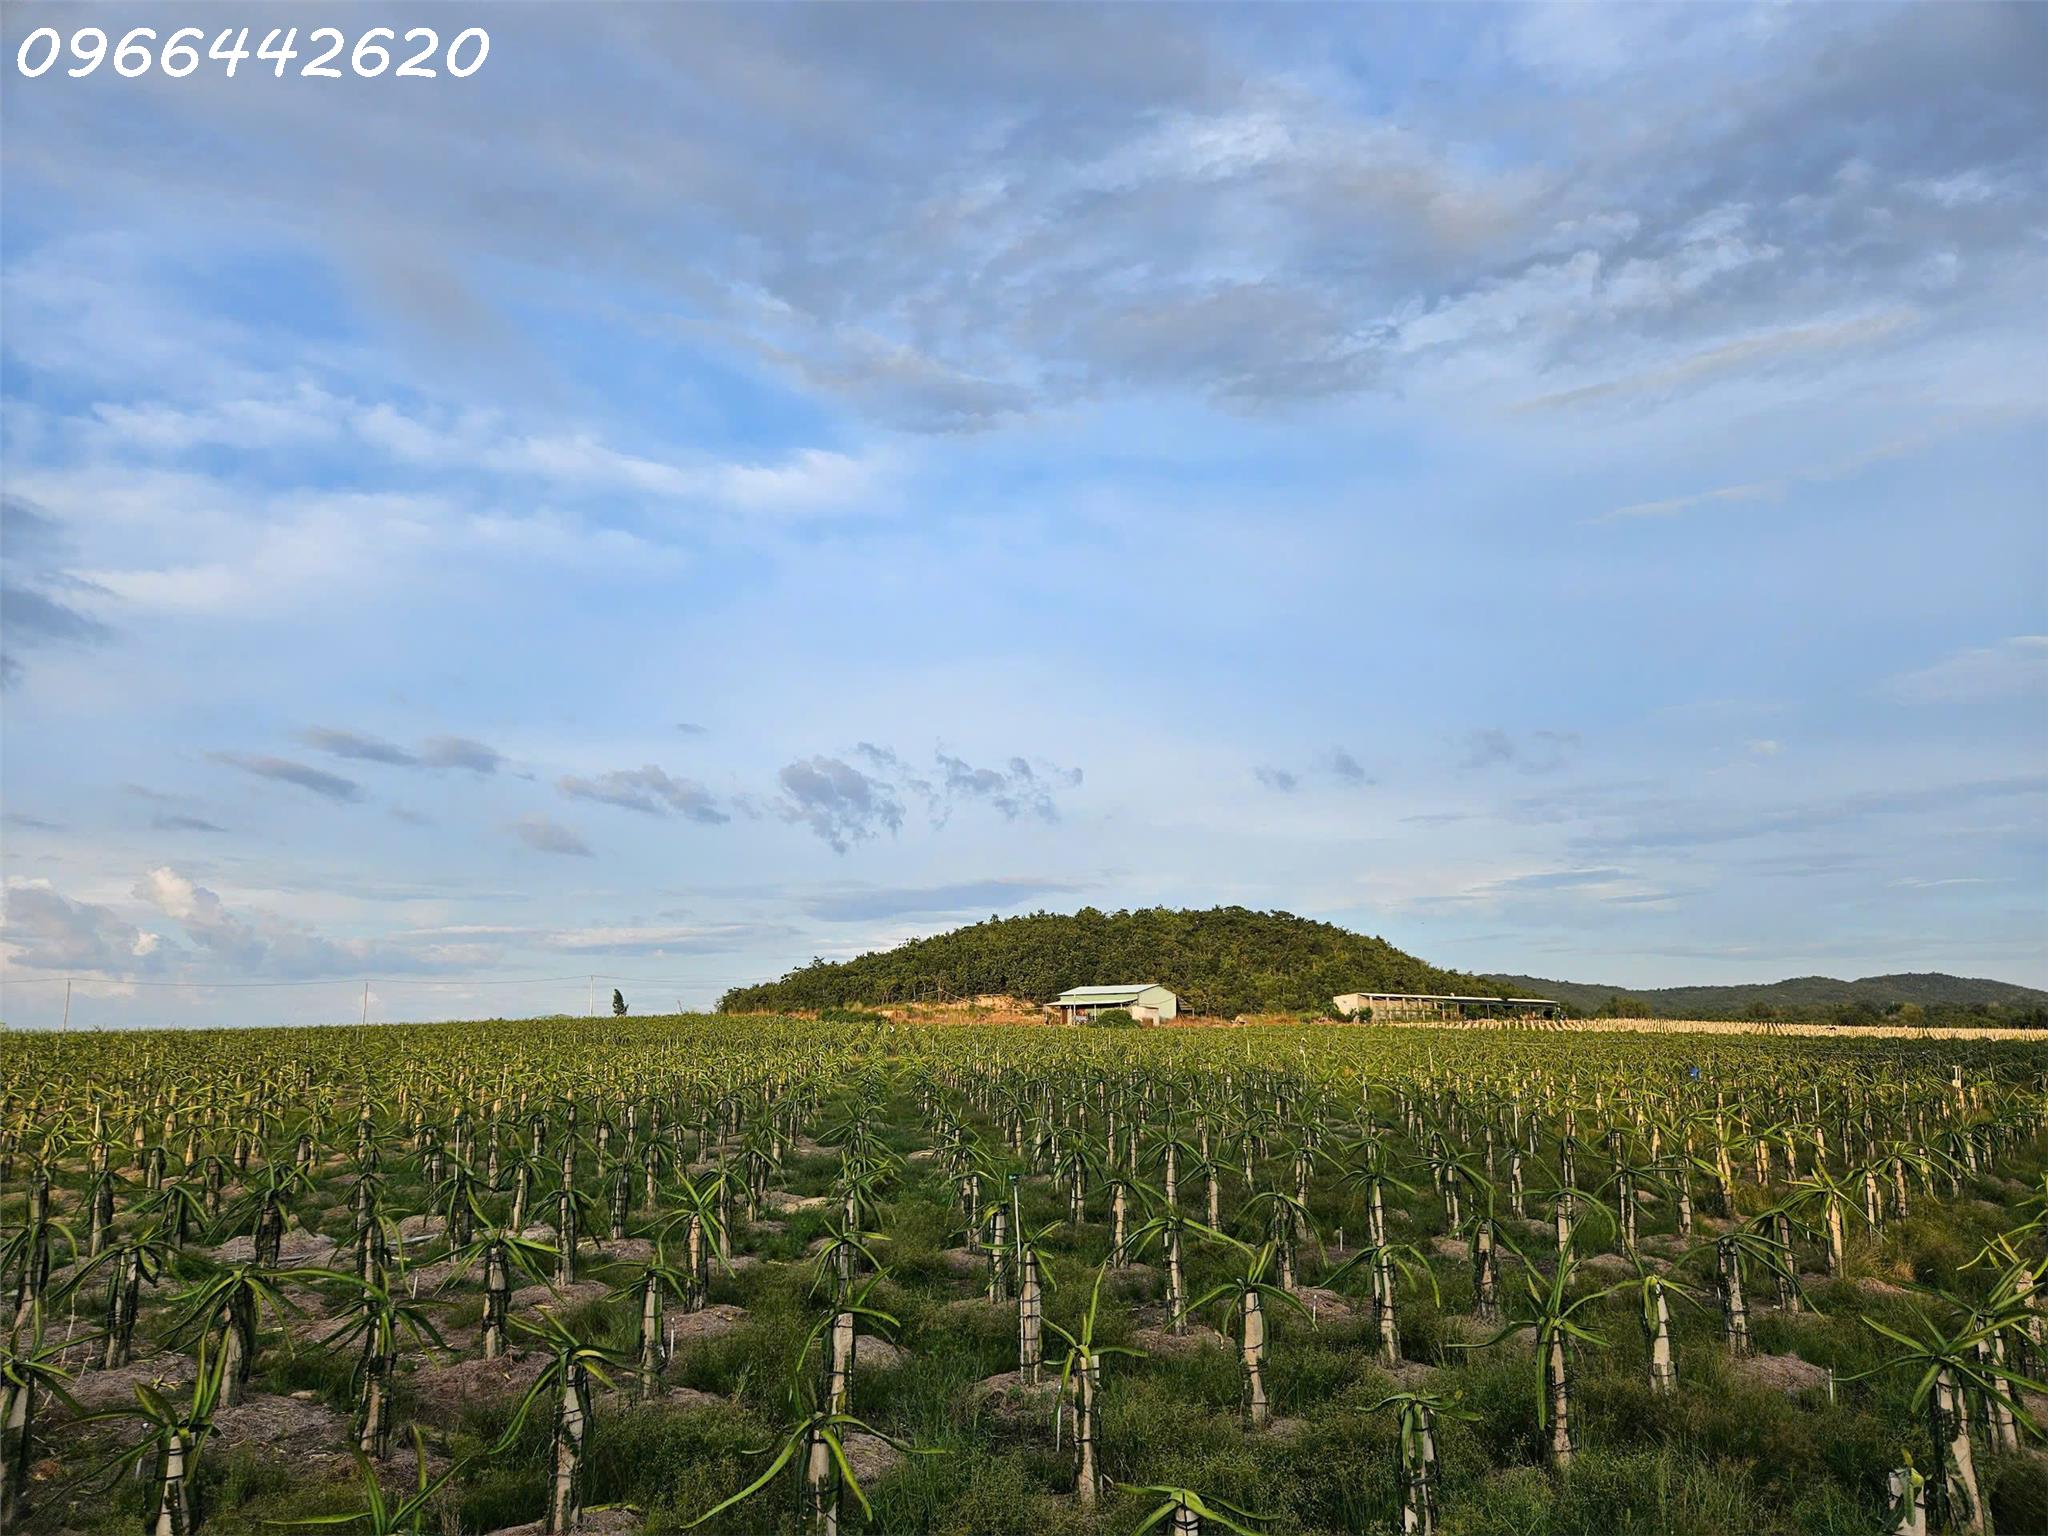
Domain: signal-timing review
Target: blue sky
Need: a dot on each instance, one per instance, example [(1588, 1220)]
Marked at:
[(1561, 488)]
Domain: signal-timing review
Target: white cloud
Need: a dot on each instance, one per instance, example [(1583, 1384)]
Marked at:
[(47, 931), (261, 943), (2011, 668)]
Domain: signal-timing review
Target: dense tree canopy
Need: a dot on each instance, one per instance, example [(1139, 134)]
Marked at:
[(1226, 960)]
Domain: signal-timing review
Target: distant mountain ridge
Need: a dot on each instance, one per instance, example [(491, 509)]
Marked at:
[(1931, 991)]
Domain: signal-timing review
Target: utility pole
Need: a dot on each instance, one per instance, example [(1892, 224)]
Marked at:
[(590, 1000), (67, 1002), (366, 1002)]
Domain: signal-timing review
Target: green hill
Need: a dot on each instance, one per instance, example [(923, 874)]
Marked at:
[(1804, 997), (1227, 960)]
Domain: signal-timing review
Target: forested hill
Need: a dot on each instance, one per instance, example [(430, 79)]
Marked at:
[(1802, 997), (1223, 961)]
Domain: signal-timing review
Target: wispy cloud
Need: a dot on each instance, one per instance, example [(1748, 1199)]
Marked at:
[(1743, 355), (1347, 767), (1533, 752), (1013, 790), (648, 790), (356, 745), (1336, 764), (39, 596), (331, 786), (434, 752), (549, 836), (2010, 669), (181, 821), (1777, 486)]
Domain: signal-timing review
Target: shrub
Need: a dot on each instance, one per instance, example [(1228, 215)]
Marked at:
[(849, 1016), (1114, 1018)]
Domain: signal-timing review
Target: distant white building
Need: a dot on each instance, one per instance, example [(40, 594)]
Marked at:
[(1146, 1001)]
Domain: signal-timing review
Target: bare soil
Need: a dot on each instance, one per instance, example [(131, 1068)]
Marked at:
[(1410, 1373), (1016, 1404), (116, 1388), (1784, 1373), (1322, 1302), (873, 1354), (298, 1247), (307, 1431), (871, 1457), (712, 1322), (597, 1522), (1156, 1339), (446, 1390)]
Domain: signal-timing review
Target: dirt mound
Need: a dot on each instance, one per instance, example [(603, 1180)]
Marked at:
[(1783, 1373), (559, 1300), (1324, 1303), (446, 1390), (298, 1426), (873, 1354), (680, 1399), (1409, 1373), (871, 1457), (712, 1322), (783, 1202), (1014, 1402), (424, 1228), (298, 1247), (116, 1388), (1132, 1280), (689, 1400), (1615, 1266), (596, 1522), (1159, 1340)]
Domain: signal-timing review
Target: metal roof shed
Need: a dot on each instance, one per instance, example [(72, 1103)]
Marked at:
[(1146, 1000)]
